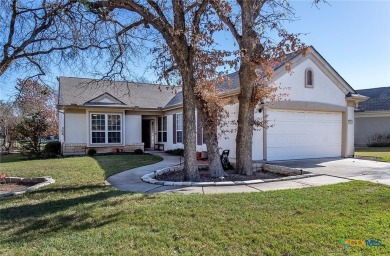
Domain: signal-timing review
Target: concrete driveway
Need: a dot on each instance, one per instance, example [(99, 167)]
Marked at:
[(350, 168)]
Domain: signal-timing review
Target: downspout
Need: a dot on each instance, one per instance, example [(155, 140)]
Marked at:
[(265, 122), (63, 134)]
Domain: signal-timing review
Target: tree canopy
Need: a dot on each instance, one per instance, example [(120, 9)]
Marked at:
[(179, 34)]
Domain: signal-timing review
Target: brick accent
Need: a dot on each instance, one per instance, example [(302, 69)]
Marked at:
[(74, 149), (82, 149)]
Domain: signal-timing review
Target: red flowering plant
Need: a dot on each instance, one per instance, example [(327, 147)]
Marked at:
[(2, 178)]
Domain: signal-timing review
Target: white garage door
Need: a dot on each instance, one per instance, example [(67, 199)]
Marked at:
[(303, 134)]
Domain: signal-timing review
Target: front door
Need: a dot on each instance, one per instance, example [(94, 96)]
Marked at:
[(146, 133)]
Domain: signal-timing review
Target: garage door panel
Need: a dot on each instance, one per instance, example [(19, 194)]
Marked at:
[(303, 134)]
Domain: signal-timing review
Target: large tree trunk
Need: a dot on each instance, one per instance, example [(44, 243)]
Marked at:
[(245, 122), (189, 128), (250, 43), (214, 159)]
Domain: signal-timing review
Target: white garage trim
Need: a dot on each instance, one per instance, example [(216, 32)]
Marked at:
[(306, 105), (299, 134)]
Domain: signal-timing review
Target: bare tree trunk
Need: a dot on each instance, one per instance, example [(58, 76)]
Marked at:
[(245, 123), (189, 135), (248, 77), (214, 159)]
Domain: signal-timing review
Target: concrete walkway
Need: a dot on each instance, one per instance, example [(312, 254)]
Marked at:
[(130, 180)]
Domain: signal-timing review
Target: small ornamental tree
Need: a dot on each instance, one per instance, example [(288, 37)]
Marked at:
[(34, 103), (31, 129), (8, 123)]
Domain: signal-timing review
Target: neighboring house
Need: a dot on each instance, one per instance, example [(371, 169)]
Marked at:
[(316, 120), (372, 123)]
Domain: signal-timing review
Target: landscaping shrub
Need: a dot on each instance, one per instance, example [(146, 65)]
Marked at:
[(176, 152), (379, 144), (52, 149), (379, 140), (138, 151), (91, 152)]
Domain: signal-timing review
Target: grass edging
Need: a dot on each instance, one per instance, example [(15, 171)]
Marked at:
[(151, 178), (43, 181)]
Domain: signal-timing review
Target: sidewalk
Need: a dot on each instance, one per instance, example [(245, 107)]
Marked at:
[(130, 180)]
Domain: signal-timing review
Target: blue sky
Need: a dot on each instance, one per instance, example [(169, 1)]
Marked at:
[(353, 36)]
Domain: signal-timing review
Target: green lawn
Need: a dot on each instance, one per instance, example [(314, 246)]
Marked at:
[(78, 215), (82, 166), (382, 153), (11, 158)]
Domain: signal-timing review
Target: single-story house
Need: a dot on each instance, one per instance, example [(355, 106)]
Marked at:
[(372, 117), (316, 120)]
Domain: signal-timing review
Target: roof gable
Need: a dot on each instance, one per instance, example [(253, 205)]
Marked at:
[(322, 64), (232, 81), (104, 99)]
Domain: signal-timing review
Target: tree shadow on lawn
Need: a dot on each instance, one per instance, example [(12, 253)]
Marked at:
[(67, 189), (53, 216)]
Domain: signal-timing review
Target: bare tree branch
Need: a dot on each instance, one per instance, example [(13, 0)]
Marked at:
[(227, 20)]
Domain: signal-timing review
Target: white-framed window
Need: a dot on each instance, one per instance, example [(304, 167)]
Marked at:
[(179, 128), (106, 128), (162, 129), (309, 82)]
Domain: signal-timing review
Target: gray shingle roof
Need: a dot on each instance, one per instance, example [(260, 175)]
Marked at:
[(177, 99), (231, 83), (80, 91), (379, 99)]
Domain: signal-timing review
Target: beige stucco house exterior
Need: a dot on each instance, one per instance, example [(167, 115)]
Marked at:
[(315, 120)]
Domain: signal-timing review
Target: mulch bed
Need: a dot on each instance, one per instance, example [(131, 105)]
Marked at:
[(178, 176), (11, 187)]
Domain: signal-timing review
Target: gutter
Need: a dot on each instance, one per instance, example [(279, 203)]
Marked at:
[(356, 97)]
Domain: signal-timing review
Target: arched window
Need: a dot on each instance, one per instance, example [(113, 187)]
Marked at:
[(309, 78)]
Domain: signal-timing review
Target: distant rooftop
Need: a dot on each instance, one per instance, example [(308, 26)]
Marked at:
[(379, 99)]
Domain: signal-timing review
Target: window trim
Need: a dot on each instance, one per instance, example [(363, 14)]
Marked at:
[(106, 131), (177, 129), (307, 85), (160, 129)]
